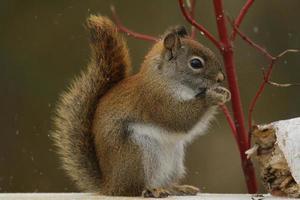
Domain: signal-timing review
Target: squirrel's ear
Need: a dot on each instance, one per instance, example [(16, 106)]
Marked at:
[(181, 31), (170, 41), (171, 44)]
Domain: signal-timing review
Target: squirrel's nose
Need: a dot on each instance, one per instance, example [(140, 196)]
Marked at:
[(220, 77)]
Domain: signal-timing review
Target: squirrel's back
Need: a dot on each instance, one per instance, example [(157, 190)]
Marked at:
[(74, 114)]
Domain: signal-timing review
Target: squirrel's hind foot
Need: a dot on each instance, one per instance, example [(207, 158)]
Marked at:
[(156, 193), (184, 190), (176, 190)]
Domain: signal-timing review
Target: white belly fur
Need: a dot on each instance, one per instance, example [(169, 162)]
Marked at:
[(163, 152)]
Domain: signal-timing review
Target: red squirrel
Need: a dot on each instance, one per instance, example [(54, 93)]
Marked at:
[(125, 134)]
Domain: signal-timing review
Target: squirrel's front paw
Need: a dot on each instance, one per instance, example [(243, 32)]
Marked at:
[(218, 95), (155, 193)]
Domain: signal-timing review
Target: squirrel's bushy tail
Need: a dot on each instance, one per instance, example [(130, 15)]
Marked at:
[(74, 115)]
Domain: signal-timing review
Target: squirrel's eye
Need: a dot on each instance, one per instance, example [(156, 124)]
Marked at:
[(196, 63)]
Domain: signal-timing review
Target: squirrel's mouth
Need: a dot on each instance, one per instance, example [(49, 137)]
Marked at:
[(201, 92)]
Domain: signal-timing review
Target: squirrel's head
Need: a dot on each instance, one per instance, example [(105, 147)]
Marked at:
[(184, 62)]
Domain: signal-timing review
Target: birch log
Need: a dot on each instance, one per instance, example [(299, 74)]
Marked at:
[(277, 146)]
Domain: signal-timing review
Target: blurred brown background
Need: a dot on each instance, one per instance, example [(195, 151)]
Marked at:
[(43, 44)]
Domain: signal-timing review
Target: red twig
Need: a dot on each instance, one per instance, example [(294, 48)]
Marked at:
[(130, 32), (267, 76), (257, 95), (240, 17), (193, 22), (252, 43), (238, 113), (192, 8), (229, 120), (266, 80)]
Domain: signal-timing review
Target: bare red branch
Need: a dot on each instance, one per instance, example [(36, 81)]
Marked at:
[(228, 57), (129, 32), (251, 43), (240, 17), (258, 93), (192, 8), (201, 28), (266, 80)]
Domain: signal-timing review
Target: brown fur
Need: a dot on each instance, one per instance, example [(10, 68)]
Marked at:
[(72, 134), (93, 116)]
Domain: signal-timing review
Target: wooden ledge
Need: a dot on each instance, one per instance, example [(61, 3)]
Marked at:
[(89, 196)]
